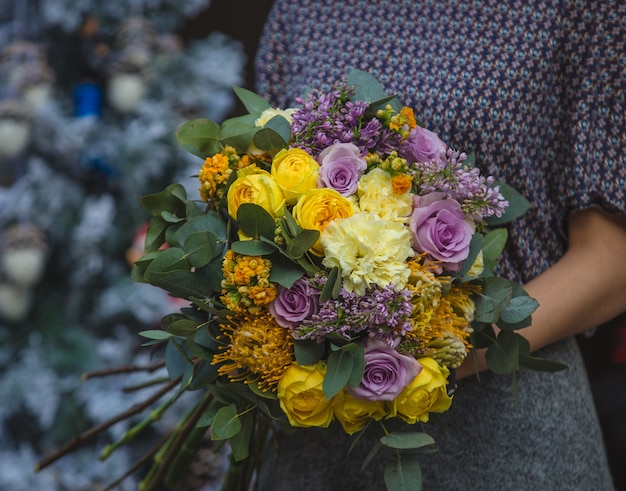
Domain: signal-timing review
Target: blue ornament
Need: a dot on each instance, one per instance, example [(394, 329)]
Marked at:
[(87, 100)]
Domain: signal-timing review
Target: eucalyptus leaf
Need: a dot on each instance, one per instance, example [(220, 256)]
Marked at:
[(206, 373), (254, 103), (308, 352), (173, 199), (340, 364), (240, 442), (493, 245), (208, 416), (284, 272), (476, 245), (200, 248), (255, 222), (175, 362), (201, 137), (541, 364), (268, 139), (301, 243), (403, 475), (503, 356), (253, 247), (369, 89), (330, 289), (155, 334), (182, 327), (407, 440), (183, 284), (155, 235), (209, 222), (519, 309), (226, 423), (518, 205), (281, 126), (493, 299)]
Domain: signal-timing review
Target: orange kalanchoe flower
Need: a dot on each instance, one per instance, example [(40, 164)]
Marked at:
[(246, 286), (215, 173)]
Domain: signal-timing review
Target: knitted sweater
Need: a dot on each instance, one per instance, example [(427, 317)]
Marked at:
[(537, 90)]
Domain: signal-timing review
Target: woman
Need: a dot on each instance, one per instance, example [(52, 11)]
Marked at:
[(536, 89)]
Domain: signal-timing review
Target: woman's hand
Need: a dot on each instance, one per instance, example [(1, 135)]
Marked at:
[(584, 289)]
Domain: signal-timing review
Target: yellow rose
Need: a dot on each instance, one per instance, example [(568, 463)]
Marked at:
[(317, 208), (302, 398), (353, 413), (256, 186), (426, 394), (295, 171)]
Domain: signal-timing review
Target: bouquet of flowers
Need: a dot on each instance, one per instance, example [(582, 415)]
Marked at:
[(338, 269)]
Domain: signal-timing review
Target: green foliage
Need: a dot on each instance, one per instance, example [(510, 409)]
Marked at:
[(226, 423), (345, 367), (518, 205), (404, 474), (368, 88), (200, 137)]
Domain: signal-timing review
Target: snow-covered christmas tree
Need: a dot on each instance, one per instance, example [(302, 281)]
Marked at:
[(91, 94)]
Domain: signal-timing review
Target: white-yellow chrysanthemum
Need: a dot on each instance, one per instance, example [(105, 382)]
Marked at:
[(376, 195), (271, 112), (369, 251)]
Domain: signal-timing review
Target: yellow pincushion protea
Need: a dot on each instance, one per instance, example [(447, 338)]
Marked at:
[(246, 286), (255, 350)]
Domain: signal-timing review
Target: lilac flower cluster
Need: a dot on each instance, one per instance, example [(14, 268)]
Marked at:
[(382, 313), (478, 196), (325, 118)]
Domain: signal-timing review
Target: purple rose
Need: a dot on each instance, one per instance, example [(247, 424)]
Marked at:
[(341, 166), (439, 228), (422, 145), (295, 304), (386, 373)]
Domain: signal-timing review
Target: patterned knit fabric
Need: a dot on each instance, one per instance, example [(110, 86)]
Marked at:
[(538, 90)]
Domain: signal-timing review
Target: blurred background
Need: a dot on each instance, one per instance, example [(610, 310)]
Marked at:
[(91, 94)]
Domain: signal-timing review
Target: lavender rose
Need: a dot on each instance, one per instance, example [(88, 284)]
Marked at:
[(295, 304), (386, 373), (422, 145), (439, 228), (341, 166)]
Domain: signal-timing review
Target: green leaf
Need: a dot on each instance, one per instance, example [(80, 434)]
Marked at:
[(200, 137), (407, 440), (253, 247), (308, 352), (403, 475), (301, 243), (172, 199), (268, 139), (541, 364), (209, 222), (254, 103), (519, 309), (476, 245), (281, 126), (340, 364), (175, 362), (181, 327), (493, 245), (183, 284), (518, 205), (240, 443), (155, 334), (155, 235), (255, 222), (493, 299), (200, 248), (208, 416), (238, 135), (369, 89), (332, 286), (205, 374), (503, 356), (226, 423), (284, 272)]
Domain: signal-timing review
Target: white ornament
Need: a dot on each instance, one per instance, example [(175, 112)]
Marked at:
[(14, 137), (125, 91), (25, 267), (15, 301)]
